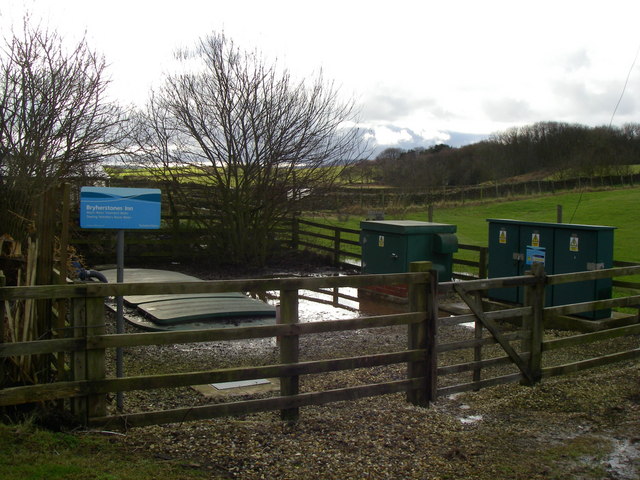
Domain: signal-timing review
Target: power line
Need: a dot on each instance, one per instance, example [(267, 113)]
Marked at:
[(624, 89)]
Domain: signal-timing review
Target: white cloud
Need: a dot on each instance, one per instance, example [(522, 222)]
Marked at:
[(508, 110), (419, 67), (383, 135)]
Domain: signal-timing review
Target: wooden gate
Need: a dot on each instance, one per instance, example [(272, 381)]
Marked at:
[(516, 341)]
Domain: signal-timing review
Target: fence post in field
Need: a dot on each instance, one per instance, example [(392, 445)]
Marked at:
[(483, 263), (535, 297), (422, 298), (295, 233), (336, 247), (289, 351)]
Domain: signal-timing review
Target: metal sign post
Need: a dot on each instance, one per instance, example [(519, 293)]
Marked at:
[(120, 208), (120, 314)]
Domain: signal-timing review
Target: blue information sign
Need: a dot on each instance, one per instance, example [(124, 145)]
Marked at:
[(119, 208), (535, 255)]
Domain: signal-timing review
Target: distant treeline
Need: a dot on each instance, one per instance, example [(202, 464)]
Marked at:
[(559, 150)]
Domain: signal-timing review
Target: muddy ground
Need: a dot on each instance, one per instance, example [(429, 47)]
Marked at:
[(582, 426)]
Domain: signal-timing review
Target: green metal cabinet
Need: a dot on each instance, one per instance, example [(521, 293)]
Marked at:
[(580, 249), (389, 246), (563, 248), (504, 258)]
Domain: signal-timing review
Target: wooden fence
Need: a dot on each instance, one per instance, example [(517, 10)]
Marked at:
[(509, 344), (495, 353), (88, 384), (389, 197), (343, 247), (340, 245)]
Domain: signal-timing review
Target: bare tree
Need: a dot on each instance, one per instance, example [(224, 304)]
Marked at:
[(260, 140), (55, 121)]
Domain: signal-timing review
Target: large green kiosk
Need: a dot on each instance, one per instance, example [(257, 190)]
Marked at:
[(389, 246), (563, 248)]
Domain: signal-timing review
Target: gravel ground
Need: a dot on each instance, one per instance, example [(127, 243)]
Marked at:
[(583, 426)]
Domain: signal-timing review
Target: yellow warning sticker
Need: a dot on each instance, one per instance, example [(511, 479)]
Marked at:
[(535, 239), (573, 243), (381, 240), (503, 236)]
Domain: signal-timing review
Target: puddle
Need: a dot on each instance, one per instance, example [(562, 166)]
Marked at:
[(312, 311), (470, 419), (343, 304), (624, 460)]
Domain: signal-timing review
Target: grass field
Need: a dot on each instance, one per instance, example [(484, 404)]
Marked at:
[(617, 208)]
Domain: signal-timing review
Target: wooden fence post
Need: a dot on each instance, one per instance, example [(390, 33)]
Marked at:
[(96, 404), (535, 297), (3, 360), (295, 233), (61, 317), (289, 351), (78, 358), (432, 334), (336, 247), (483, 263), (88, 320), (477, 351), (44, 234), (423, 298)]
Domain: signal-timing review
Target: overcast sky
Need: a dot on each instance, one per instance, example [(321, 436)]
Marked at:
[(422, 72)]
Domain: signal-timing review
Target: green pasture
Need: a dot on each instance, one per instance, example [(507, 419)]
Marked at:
[(201, 175), (182, 174), (618, 208)]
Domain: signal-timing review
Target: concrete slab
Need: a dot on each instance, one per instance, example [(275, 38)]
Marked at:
[(240, 384), (209, 391)]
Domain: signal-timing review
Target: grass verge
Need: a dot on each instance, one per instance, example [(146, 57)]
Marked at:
[(30, 453)]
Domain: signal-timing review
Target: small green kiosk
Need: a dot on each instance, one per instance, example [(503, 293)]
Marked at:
[(563, 248), (389, 246)]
